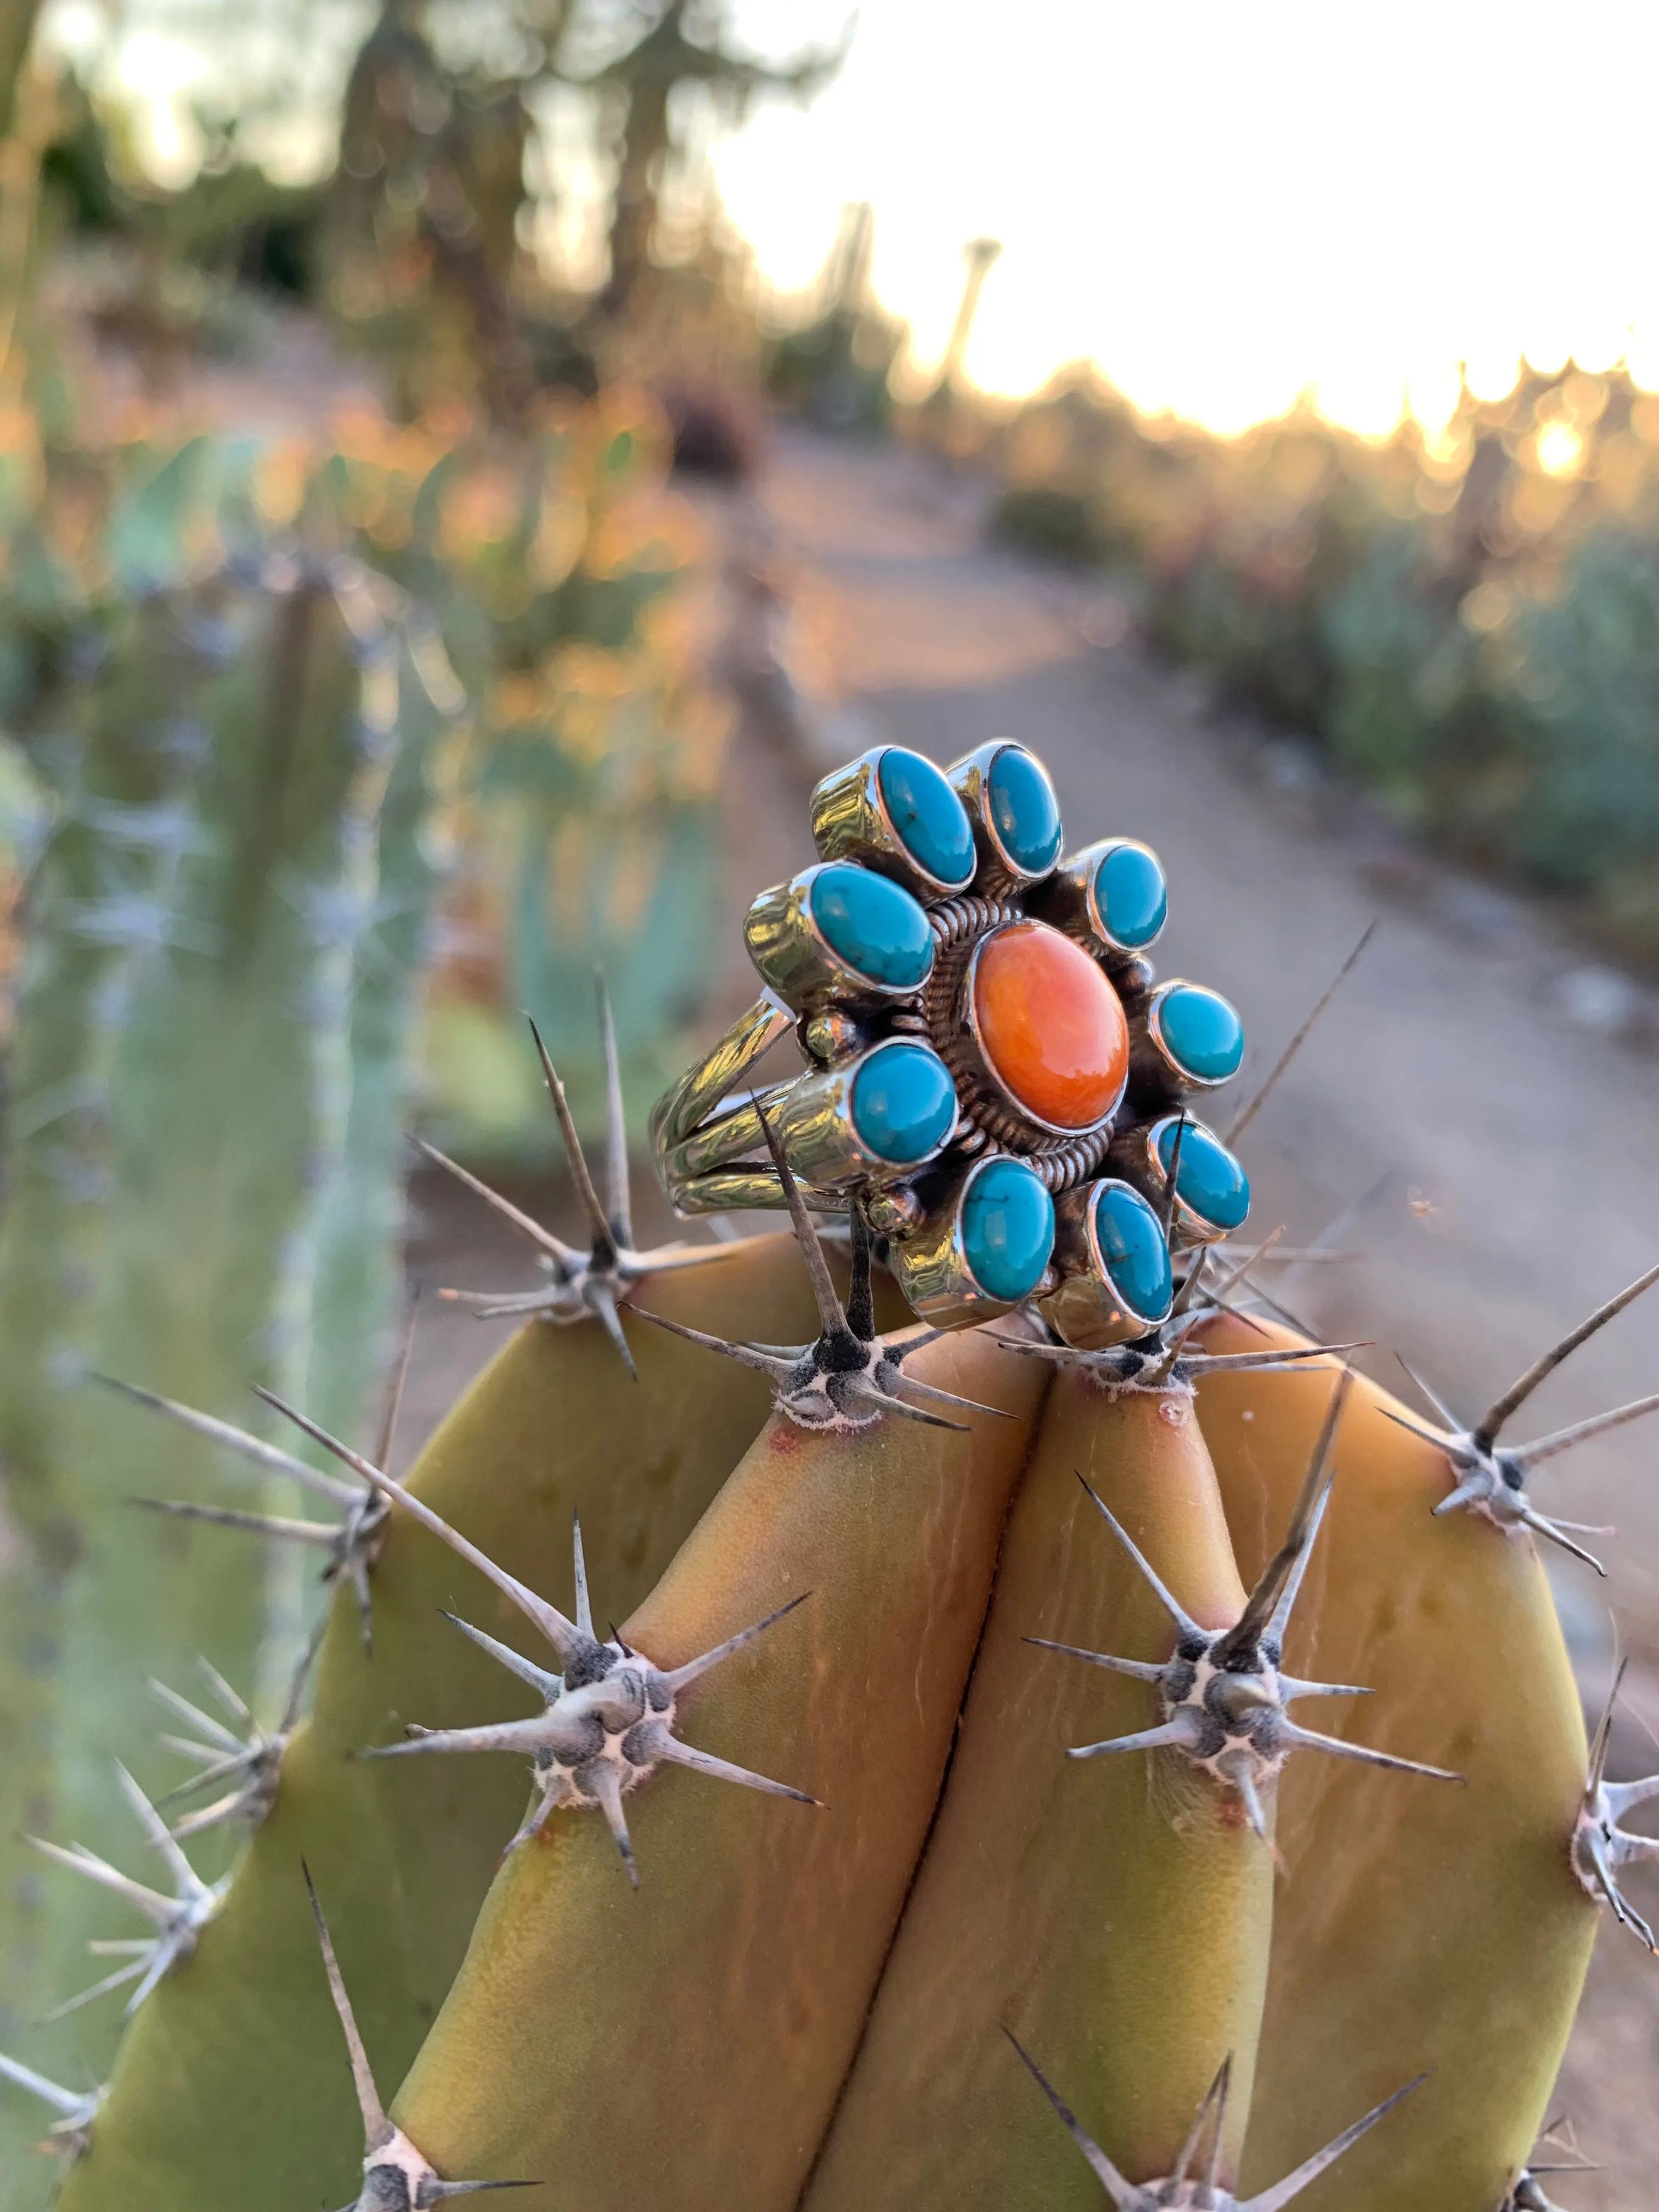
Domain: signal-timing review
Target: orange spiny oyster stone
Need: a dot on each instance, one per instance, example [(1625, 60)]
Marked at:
[(1050, 1025)]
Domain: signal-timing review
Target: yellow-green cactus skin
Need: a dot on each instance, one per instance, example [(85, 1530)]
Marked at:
[(406, 1853), (1420, 1927)]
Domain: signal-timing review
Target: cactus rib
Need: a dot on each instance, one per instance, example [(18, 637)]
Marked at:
[(1489, 1479), (178, 1919), (850, 1376), (1178, 2193), (595, 1282), (1600, 1847), (1224, 1698), (396, 2177), (609, 1718)]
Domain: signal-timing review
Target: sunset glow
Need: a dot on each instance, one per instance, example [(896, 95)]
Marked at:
[(1226, 207)]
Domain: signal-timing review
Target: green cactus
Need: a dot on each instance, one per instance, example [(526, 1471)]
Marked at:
[(212, 1037), (1217, 1952)]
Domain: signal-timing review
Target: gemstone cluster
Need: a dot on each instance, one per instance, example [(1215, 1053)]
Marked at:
[(996, 1077)]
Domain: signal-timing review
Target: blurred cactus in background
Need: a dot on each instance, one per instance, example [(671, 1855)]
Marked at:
[(215, 999), (244, 774), (568, 583)]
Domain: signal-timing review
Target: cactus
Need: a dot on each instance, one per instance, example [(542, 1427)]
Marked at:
[(212, 1035), (1235, 1952)]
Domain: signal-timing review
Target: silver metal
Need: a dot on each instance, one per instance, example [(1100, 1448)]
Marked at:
[(680, 1110), (930, 1265), (851, 822), (1086, 1308), (815, 1125), (798, 961), (1068, 900), (970, 777), (1153, 1063), (1135, 1156)]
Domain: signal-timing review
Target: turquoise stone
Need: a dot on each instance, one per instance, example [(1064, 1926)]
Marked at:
[(1007, 1229), (1130, 897), (1022, 806), (903, 1102), (931, 822), (1210, 1180), (874, 925), (1201, 1033), (1132, 1248)]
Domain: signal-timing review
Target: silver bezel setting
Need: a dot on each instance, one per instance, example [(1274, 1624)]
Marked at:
[(1178, 1072), (970, 777), (851, 821), (795, 958)]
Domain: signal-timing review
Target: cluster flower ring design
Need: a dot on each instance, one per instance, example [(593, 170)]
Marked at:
[(993, 1075)]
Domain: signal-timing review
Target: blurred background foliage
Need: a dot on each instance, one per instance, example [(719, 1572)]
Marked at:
[(1465, 621), (355, 697)]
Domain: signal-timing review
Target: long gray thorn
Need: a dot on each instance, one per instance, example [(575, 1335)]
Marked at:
[(1484, 1432), (831, 1315), (1275, 2199), (584, 1605), (1184, 1296), (1453, 1424), (1581, 1432), (562, 1634), (1121, 2191), (1281, 1579), (679, 1678), (617, 1197), (1555, 1533), (880, 1402), (604, 1241), (269, 1456), (1171, 1196), (1140, 1670), (1603, 1737), (768, 1362), (395, 1386), (949, 1397), (601, 1299), (546, 1685), (1364, 1755), (1240, 1274), (1152, 1739), (228, 1517), (65, 2101), (1243, 1120), (608, 1791), (376, 2128), (566, 1256), (1217, 2089), (674, 1752), (1182, 1619)]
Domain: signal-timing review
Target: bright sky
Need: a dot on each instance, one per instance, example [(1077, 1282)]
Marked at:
[(1225, 201), (1222, 202)]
